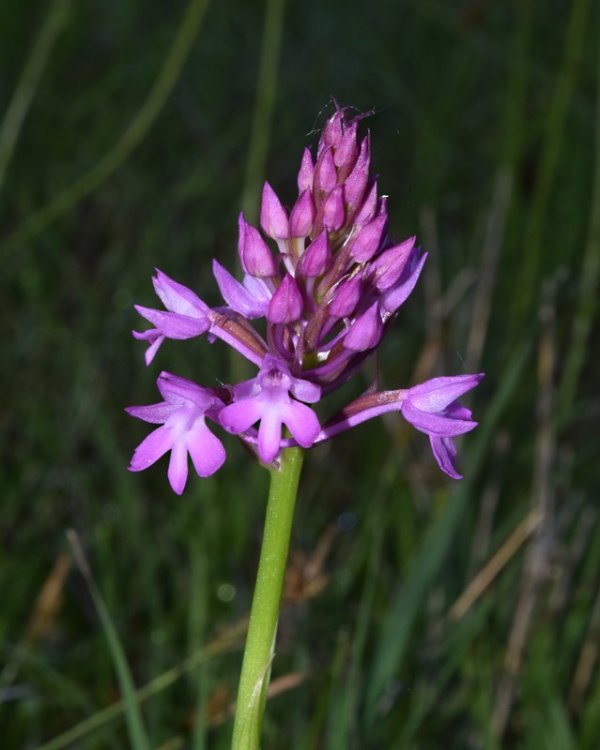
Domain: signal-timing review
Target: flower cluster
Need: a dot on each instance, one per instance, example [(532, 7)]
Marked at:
[(328, 293)]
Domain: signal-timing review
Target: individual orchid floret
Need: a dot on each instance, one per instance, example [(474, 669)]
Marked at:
[(182, 419), (273, 217), (273, 398), (186, 317), (433, 408)]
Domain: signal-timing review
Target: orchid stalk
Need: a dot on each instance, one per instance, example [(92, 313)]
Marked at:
[(329, 281)]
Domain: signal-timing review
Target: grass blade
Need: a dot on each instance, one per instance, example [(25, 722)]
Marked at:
[(133, 715)]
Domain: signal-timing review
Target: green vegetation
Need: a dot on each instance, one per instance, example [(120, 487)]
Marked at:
[(421, 614)]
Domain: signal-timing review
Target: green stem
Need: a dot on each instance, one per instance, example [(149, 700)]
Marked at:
[(264, 615)]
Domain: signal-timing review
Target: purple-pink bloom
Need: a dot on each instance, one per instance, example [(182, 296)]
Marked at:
[(186, 318), (328, 288), (433, 408), (273, 398), (182, 416)]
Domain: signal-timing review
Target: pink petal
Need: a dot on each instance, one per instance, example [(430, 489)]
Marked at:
[(269, 435), (151, 449), (236, 295), (174, 325), (435, 424), (302, 422), (240, 415), (178, 298), (178, 466), (436, 394), (153, 413), (206, 450), (444, 451)]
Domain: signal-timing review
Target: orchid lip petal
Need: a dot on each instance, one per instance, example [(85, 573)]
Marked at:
[(269, 436), (178, 468)]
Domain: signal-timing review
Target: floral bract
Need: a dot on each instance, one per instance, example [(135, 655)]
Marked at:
[(329, 281)]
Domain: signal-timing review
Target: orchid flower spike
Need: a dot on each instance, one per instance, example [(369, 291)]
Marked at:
[(328, 280)]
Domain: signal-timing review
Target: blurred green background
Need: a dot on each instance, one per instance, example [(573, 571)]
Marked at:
[(420, 613)]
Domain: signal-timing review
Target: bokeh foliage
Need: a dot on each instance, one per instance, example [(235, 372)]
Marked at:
[(124, 145)]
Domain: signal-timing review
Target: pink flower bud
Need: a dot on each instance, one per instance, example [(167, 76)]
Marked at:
[(255, 255), (325, 173), (369, 206), (316, 257), (273, 217), (369, 238), (287, 303), (333, 131), (347, 150), (306, 173), (346, 297), (333, 211), (356, 182), (302, 216), (366, 330), (387, 268)]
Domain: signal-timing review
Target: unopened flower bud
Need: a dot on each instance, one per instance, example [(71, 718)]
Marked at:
[(356, 182), (273, 217), (366, 331), (346, 297), (369, 238), (255, 255), (287, 303), (389, 265), (325, 173), (302, 216), (347, 150), (333, 211), (333, 132), (316, 257), (369, 206), (306, 173)]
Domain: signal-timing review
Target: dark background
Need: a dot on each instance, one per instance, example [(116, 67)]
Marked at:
[(130, 139)]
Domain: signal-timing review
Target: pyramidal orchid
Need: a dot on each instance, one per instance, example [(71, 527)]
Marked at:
[(327, 280)]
